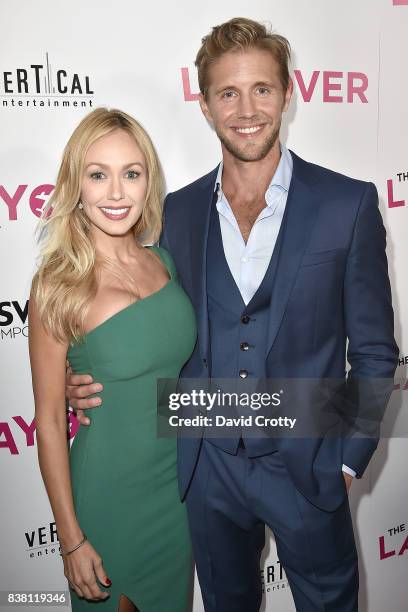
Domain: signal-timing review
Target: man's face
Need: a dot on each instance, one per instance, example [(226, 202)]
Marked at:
[(245, 101)]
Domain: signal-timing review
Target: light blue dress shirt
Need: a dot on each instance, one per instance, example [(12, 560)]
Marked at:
[(249, 262)]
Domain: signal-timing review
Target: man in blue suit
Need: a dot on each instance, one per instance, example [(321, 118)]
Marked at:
[(284, 262)]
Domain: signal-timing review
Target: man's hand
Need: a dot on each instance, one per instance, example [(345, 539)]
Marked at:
[(348, 479), (77, 390)]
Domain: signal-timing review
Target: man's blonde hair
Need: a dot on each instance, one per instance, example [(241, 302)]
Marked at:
[(241, 34)]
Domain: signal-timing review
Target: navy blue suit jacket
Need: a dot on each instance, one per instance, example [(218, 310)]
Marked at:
[(331, 285)]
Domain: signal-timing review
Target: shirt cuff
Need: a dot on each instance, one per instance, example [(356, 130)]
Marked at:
[(348, 470)]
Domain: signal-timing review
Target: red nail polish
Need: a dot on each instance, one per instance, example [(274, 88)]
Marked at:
[(108, 582)]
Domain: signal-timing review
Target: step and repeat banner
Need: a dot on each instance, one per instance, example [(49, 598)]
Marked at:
[(60, 60)]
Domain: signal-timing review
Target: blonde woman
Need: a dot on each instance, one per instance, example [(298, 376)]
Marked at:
[(114, 308)]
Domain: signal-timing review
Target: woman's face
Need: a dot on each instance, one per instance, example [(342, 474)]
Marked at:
[(114, 183)]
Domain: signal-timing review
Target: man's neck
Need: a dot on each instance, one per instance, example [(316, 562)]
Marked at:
[(249, 179)]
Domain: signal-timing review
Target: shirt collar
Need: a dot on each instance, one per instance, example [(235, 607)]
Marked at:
[(280, 179)]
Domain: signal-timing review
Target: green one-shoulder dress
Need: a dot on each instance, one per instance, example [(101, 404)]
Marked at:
[(123, 475)]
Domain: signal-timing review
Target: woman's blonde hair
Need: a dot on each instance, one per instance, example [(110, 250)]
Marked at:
[(65, 282)]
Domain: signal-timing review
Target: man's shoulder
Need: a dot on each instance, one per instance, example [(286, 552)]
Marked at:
[(194, 188), (326, 178)]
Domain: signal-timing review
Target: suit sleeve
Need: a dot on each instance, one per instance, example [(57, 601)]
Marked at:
[(164, 240), (372, 352)]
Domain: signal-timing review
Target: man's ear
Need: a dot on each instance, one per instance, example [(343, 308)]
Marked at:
[(204, 108), (288, 95)]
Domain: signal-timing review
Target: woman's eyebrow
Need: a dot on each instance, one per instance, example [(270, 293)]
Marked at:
[(135, 163)]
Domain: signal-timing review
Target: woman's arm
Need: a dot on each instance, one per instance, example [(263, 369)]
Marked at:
[(48, 356)]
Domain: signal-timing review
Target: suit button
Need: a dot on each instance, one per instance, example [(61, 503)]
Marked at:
[(244, 346), (243, 373), (245, 319)]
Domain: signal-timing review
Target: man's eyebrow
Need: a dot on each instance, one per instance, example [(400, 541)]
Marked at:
[(102, 165), (224, 88), (263, 83), (257, 84)]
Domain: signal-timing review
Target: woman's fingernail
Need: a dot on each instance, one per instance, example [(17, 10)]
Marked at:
[(108, 582)]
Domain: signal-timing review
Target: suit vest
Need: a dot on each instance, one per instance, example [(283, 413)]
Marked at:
[(238, 332)]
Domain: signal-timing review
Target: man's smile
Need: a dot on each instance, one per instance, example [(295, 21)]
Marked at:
[(249, 131)]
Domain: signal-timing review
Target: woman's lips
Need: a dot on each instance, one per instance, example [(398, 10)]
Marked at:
[(115, 214)]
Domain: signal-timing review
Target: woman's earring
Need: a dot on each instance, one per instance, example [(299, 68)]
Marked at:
[(80, 205)]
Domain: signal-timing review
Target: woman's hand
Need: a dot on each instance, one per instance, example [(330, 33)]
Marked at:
[(82, 567)]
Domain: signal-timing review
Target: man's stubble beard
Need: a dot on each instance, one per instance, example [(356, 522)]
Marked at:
[(247, 156)]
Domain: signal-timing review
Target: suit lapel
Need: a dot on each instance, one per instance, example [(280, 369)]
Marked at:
[(199, 224), (300, 215), (299, 218)]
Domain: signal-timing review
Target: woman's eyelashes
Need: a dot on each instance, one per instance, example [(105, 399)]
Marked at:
[(97, 176), (130, 174), (134, 174)]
